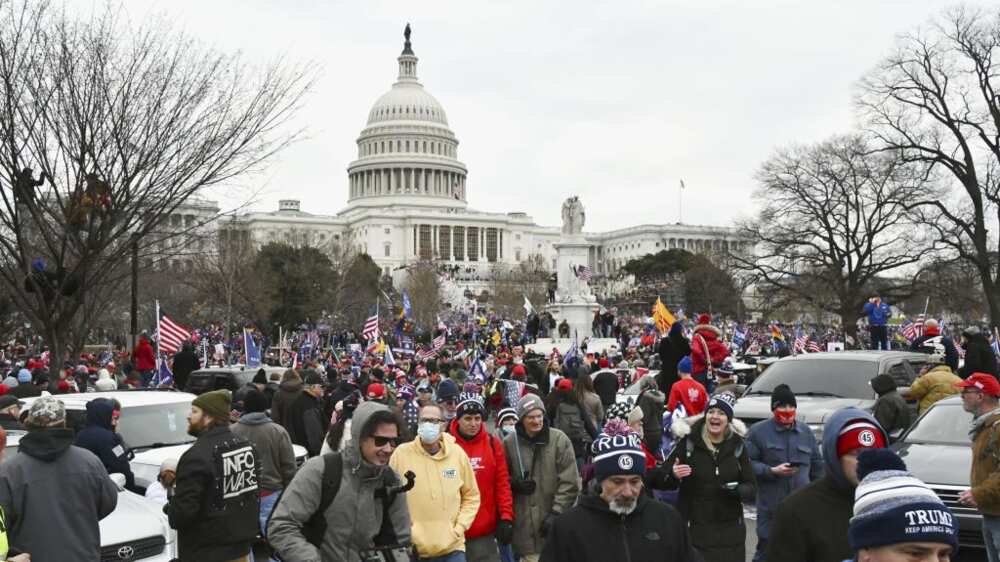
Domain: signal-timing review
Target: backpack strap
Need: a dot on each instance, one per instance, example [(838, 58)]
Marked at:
[(333, 469)]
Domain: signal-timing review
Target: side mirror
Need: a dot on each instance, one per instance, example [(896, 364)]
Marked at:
[(119, 480)]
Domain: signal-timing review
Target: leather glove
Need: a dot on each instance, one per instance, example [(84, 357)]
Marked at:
[(505, 531), (547, 523), (523, 487)]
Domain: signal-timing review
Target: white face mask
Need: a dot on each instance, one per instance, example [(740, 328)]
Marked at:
[(507, 429), (429, 432)]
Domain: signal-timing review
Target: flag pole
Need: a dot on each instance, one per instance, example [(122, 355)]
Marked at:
[(680, 203), (159, 336)]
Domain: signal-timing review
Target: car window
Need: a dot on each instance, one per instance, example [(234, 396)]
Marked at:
[(843, 378), (943, 423), (155, 425)]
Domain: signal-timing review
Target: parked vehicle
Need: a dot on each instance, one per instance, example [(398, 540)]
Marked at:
[(136, 530), (937, 450), (153, 425), (229, 378), (826, 382)]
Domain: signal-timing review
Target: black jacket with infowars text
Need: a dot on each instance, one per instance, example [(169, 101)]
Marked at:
[(215, 506)]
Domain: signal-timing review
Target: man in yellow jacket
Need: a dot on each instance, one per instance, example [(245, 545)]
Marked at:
[(936, 381), (445, 497)]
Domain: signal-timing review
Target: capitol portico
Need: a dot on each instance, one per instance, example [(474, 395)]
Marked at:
[(407, 202)]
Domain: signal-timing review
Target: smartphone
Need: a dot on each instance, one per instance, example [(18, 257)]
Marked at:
[(794, 463)]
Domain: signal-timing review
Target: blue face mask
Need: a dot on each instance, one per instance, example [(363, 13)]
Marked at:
[(507, 429), (429, 432)]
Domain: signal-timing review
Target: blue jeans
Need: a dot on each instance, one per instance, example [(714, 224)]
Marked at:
[(507, 553), (266, 506), (457, 556), (991, 536)]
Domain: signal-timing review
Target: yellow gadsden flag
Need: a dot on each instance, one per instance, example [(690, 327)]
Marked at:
[(662, 317)]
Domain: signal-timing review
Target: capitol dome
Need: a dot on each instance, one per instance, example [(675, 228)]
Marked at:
[(407, 154)]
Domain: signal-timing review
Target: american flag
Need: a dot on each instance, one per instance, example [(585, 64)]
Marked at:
[(800, 342), (911, 330), (436, 345), (812, 346), (583, 273), (371, 331), (171, 335)]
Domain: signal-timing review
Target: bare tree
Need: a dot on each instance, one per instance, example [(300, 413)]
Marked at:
[(423, 283), (123, 125), (510, 285), (833, 223), (936, 101)]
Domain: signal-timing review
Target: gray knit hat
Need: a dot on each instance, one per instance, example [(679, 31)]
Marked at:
[(529, 403)]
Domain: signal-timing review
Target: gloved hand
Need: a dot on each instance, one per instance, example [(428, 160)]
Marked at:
[(547, 523), (505, 532), (523, 487)]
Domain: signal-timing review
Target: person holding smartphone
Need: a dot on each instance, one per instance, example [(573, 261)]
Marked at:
[(785, 457)]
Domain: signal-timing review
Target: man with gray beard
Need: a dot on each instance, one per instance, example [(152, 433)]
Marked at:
[(648, 530)]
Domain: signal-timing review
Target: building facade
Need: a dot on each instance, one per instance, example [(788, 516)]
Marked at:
[(407, 203)]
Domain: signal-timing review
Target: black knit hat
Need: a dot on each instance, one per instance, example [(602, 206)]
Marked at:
[(255, 401), (782, 396), (260, 377)]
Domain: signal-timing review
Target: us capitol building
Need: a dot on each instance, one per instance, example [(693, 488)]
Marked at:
[(407, 202)]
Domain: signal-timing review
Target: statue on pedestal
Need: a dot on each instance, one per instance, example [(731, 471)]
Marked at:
[(573, 216)]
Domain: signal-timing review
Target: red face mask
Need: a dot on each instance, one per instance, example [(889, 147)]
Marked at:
[(785, 416)]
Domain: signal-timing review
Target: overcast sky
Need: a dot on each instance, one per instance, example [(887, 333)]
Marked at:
[(613, 101)]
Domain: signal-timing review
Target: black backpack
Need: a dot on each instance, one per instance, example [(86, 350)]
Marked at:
[(569, 420), (315, 527)]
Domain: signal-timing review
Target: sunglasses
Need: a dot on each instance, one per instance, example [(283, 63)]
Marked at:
[(383, 441)]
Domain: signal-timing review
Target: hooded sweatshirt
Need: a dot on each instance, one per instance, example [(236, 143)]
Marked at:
[(348, 529), (444, 502), (53, 490), (274, 449), (486, 454), (797, 534), (104, 381), (890, 408), (99, 438)]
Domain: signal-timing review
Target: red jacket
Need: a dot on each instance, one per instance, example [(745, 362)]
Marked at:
[(143, 356), (706, 335), (691, 394), (486, 454)]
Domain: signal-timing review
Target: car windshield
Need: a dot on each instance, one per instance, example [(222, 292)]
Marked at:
[(819, 377), (160, 425), (944, 424)]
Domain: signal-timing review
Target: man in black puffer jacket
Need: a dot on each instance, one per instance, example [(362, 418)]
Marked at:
[(216, 506), (979, 357), (99, 437), (621, 523)]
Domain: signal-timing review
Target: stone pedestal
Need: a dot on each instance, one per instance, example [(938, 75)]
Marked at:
[(574, 301)]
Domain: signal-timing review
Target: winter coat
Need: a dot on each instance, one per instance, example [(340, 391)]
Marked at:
[(563, 403), (53, 495), (811, 524), (592, 405), (710, 337), (288, 392), (548, 460), (444, 502), (934, 385), (496, 502), (143, 356), (672, 349), (274, 449), (184, 363), (306, 423), (591, 532), (985, 474), (890, 408), (950, 352), (713, 512), (216, 505), (770, 444), (99, 438), (653, 404), (349, 529), (606, 387), (979, 357), (104, 382), (877, 313)]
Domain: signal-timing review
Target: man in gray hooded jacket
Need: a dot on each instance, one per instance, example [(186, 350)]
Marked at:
[(355, 515)]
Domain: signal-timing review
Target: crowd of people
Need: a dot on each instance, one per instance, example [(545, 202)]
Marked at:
[(486, 451)]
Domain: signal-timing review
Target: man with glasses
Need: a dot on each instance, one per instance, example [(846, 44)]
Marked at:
[(365, 475), (445, 499), (980, 394)]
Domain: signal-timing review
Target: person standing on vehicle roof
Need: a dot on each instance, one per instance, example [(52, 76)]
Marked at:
[(784, 456), (878, 312)]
